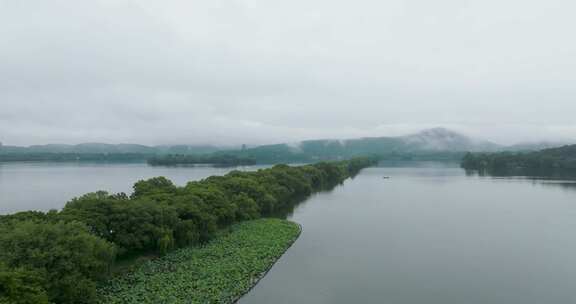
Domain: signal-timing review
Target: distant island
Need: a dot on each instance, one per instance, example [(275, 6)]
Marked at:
[(220, 160), (99, 152), (544, 161)]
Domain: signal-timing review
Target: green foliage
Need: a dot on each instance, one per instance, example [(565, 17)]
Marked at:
[(63, 255), (165, 241), (219, 272), (131, 224), (33, 216), (153, 186), (221, 159), (247, 207), (215, 202), (20, 286), (96, 152), (64, 258), (385, 148), (67, 157), (95, 210), (541, 162)]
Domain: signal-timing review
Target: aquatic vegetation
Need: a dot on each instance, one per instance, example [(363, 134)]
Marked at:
[(219, 272)]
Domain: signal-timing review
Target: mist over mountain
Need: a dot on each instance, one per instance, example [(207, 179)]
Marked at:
[(441, 139), (427, 142), (536, 146), (435, 143)]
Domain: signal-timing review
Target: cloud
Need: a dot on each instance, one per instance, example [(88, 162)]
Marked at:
[(255, 71)]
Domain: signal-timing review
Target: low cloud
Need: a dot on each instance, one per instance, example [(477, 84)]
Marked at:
[(255, 71)]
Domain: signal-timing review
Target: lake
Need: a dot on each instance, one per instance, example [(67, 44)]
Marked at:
[(44, 186), (429, 234)]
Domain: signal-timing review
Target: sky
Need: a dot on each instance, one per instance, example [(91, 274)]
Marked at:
[(268, 71)]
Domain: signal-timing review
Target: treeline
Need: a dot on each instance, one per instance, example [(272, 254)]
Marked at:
[(556, 159), (214, 159), (279, 154), (421, 156), (61, 256), (272, 154), (102, 148), (15, 157), (152, 159)]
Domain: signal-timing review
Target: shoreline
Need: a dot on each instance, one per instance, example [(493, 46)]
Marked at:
[(264, 273), (216, 272)]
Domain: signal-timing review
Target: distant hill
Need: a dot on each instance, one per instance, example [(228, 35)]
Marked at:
[(98, 152), (102, 148), (440, 139), (432, 143)]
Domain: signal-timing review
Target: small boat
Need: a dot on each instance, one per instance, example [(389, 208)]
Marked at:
[(386, 177)]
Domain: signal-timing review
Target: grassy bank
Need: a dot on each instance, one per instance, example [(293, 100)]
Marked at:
[(219, 272)]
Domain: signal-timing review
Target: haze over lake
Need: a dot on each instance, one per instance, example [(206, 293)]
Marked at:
[(356, 125), (429, 234)]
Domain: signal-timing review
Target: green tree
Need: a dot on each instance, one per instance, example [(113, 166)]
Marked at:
[(247, 207), (69, 258), (153, 186), (20, 286)]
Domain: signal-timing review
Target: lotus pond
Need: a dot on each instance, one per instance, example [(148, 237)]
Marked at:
[(219, 272)]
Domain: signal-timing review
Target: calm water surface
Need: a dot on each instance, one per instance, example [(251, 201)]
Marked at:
[(44, 186), (429, 234)]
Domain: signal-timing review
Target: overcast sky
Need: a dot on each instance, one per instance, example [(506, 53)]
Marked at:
[(262, 71)]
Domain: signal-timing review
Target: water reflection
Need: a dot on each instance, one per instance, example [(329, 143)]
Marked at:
[(565, 179), (569, 174), (430, 235)]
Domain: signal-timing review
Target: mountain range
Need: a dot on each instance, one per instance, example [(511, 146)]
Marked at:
[(102, 148), (437, 143), (427, 143)]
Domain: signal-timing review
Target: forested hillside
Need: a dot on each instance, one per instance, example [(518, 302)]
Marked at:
[(102, 148), (432, 144)]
